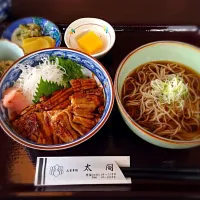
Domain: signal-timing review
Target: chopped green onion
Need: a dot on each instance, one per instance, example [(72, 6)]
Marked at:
[(171, 90)]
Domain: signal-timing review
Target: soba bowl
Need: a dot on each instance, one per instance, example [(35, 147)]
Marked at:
[(179, 52), (89, 64)]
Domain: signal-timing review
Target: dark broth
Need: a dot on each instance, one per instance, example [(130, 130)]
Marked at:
[(132, 99), (187, 69)]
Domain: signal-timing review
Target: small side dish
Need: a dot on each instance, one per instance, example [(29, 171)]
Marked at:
[(30, 38), (33, 34), (90, 35), (9, 52)]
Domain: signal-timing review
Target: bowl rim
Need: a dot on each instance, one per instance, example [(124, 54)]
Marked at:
[(65, 145), (91, 18), (121, 107), (23, 18), (6, 40), (17, 46)]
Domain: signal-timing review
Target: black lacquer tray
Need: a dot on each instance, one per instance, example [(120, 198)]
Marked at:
[(17, 163)]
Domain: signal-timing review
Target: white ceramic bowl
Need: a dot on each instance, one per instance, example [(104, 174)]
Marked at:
[(10, 51), (162, 50), (99, 26)]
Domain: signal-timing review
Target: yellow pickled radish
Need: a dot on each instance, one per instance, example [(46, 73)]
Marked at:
[(35, 45), (50, 40), (27, 40)]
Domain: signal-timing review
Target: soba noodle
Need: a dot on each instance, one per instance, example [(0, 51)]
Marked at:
[(169, 120)]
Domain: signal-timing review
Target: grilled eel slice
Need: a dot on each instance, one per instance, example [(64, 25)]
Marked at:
[(83, 84), (63, 117), (46, 127), (58, 100)]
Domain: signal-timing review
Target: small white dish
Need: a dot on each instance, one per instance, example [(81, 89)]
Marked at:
[(10, 51), (83, 25)]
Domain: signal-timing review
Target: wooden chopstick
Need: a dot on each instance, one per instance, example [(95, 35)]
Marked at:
[(162, 173)]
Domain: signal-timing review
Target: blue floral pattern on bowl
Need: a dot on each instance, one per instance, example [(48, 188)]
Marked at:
[(48, 28), (34, 59)]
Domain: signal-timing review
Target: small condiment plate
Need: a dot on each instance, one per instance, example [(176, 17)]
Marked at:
[(81, 26), (48, 29)]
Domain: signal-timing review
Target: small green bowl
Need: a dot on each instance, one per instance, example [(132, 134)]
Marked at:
[(10, 51), (157, 51)]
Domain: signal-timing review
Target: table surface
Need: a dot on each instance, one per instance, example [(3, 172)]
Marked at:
[(17, 165)]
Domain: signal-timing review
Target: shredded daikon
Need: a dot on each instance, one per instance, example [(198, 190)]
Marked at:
[(30, 77), (171, 90)]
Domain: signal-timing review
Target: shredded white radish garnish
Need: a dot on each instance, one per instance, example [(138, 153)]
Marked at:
[(30, 77)]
